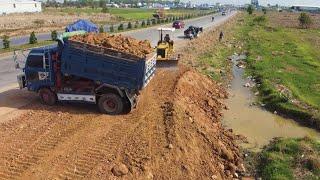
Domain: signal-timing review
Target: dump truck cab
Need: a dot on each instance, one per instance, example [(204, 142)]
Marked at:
[(38, 70)]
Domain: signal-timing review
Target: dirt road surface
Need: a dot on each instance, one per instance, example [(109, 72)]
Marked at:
[(175, 132)]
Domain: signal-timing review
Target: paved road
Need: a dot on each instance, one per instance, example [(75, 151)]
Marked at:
[(8, 73)]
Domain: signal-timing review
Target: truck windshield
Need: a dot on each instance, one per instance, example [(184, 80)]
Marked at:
[(35, 61)]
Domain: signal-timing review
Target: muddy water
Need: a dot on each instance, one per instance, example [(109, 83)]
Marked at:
[(257, 124)]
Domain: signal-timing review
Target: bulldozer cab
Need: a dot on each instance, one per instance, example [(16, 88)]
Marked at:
[(165, 47)]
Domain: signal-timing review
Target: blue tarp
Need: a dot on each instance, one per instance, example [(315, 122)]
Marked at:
[(82, 24)]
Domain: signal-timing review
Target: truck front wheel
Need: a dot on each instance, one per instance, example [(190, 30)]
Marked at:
[(47, 96), (110, 104)]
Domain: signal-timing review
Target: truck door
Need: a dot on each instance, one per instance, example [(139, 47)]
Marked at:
[(37, 71)]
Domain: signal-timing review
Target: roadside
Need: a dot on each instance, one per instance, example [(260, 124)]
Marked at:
[(281, 68), (9, 51), (284, 63), (50, 19), (21, 41), (279, 158)]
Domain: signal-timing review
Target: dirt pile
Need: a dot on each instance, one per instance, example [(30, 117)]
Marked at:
[(119, 42), (208, 145), (175, 132)]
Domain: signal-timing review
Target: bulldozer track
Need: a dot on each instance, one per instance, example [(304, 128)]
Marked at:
[(17, 161), (105, 149)]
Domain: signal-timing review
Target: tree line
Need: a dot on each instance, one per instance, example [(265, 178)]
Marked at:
[(102, 3)]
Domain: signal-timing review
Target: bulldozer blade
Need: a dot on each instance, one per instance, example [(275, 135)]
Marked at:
[(167, 63)]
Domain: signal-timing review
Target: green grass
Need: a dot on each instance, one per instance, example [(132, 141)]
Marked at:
[(290, 57), (26, 46), (129, 14), (216, 60), (132, 13), (282, 158)]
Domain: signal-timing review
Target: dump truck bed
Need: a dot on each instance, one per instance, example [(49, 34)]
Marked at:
[(107, 66)]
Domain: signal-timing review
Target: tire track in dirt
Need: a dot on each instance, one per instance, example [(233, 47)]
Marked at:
[(105, 149), (23, 152)]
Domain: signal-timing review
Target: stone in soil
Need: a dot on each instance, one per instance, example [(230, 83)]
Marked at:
[(120, 170)]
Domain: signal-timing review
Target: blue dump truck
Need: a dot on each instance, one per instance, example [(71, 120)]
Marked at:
[(80, 72)]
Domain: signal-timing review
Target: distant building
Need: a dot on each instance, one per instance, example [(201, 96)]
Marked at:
[(19, 6), (315, 9), (255, 3)]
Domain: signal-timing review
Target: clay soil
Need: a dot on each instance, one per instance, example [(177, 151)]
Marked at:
[(119, 43), (174, 133)]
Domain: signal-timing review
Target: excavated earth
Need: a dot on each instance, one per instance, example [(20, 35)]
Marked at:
[(118, 42), (174, 133)]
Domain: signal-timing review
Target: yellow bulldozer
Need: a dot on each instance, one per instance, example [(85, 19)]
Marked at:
[(165, 48), (159, 14)]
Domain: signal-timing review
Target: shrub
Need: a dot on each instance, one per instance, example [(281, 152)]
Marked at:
[(305, 20), (6, 42), (259, 19), (148, 22), (33, 39), (105, 10), (111, 28), (136, 25), (167, 20), (39, 22), (129, 25), (120, 27), (54, 35), (153, 22), (158, 21), (143, 23), (264, 10), (250, 9), (101, 30)]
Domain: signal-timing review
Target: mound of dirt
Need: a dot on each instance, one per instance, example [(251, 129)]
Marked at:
[(120, 43), (210, 148)]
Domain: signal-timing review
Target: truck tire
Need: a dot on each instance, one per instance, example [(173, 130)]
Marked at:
[(111, 104), (47, 96)]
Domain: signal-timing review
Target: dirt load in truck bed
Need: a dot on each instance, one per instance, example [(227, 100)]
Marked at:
[(119, 43)]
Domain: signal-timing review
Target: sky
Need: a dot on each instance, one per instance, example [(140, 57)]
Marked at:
[(264, 2)]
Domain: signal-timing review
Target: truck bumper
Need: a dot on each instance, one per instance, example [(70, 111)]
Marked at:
[(133, 99)]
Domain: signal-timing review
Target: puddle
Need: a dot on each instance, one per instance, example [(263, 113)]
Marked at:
[(257, 124)]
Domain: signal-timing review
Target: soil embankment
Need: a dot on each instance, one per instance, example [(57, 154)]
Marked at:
[(175, 132)]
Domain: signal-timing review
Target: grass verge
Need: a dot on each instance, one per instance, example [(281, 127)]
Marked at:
[(127, 14), (286, 63), (26, 46), (209, 56), (290, 159)]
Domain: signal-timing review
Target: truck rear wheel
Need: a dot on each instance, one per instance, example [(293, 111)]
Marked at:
[(47, 96), (110, 104)]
